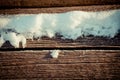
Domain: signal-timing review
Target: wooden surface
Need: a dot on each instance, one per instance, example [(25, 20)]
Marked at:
[(72, 64), (59, 9), (80, 43), (52, 3), (35, 63), (87, 58)]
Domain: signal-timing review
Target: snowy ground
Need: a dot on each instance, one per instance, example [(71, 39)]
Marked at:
[(70, 25)]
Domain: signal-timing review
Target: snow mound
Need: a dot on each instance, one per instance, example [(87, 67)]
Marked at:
[(54, 53), (13, 38), (70, 25)]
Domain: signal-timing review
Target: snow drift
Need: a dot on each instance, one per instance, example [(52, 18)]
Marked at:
[(70, 25)]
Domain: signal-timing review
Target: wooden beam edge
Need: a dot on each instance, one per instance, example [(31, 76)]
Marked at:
[(92, 8), (53, 3)]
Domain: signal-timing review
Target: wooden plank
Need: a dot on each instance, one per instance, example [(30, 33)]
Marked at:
[(85, 71), (58, 9), (52, 3), (65, 57), (81, 42), (85, 42), (80, 64)]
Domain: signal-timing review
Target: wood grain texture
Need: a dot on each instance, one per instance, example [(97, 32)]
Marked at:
[(59, 9), (84, 42), (80, 42), (52, 3), (71, 64)]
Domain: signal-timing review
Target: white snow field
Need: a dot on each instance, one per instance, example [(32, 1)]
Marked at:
[(70, 25)]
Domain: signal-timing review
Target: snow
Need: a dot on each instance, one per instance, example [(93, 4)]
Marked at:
[(55, 53), (70, 25), (13, 38), (1, 41)]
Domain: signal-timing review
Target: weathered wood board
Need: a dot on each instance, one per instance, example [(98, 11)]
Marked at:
[(59, 9), (71, 64), (84, 58), (80, 43), (52, 3)]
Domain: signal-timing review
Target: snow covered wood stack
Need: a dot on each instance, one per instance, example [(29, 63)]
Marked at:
[(60, 39)]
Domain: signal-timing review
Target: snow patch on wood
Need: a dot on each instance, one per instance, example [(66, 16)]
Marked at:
[(13, 38), (70, 25), (54, 53)]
